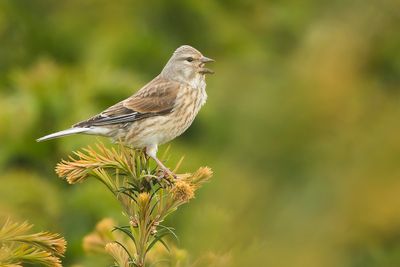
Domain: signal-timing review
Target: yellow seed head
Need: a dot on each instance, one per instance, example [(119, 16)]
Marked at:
[(105, 225), (182, 191)]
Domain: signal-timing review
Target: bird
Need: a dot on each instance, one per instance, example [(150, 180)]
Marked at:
[(158, 112)]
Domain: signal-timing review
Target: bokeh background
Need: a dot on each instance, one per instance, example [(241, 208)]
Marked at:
[(301, 126)]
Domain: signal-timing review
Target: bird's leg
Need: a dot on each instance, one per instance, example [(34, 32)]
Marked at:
[(152, 152), (164, 168)]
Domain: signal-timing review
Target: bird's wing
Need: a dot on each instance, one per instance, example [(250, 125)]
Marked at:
[(154, 99)]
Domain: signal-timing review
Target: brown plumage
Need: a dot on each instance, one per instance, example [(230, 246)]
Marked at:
[(155, 98), (160, 111)]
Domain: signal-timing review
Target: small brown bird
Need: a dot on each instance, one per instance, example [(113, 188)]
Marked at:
[(160, 111)]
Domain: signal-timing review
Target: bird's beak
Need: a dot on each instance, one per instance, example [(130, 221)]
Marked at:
[(204, 60)]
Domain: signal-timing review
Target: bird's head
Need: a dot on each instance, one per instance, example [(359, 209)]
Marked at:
[(186, 64)]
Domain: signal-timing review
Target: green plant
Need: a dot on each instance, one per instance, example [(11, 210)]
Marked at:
[(17, 246), (146, 196)]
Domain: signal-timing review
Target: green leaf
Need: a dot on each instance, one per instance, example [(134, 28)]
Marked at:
[(125, 231), (170, 230), (156, 239), (126, 250)]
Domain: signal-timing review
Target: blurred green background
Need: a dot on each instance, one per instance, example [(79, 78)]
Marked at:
[(301, 126)]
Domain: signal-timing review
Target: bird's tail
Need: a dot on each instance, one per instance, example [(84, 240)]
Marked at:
[(64, 133)]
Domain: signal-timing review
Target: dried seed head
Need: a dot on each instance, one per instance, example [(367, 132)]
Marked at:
[(105, 225), (71, 172), (202, 175), (182, 191), (93, 243), (118, 253), (96, 240)]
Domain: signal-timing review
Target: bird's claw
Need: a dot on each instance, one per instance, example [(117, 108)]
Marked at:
[(167, 176)]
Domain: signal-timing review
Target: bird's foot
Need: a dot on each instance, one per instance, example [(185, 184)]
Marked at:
[(168, 175), (164, 172)]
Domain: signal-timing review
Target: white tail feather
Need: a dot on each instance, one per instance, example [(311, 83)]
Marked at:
[(64, 133)]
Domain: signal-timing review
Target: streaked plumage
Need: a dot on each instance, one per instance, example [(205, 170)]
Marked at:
[(160, 111)]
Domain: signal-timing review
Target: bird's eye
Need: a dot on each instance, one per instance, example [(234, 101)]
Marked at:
[(189, 59)]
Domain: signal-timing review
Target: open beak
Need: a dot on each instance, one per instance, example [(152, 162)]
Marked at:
[(204, 60)]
